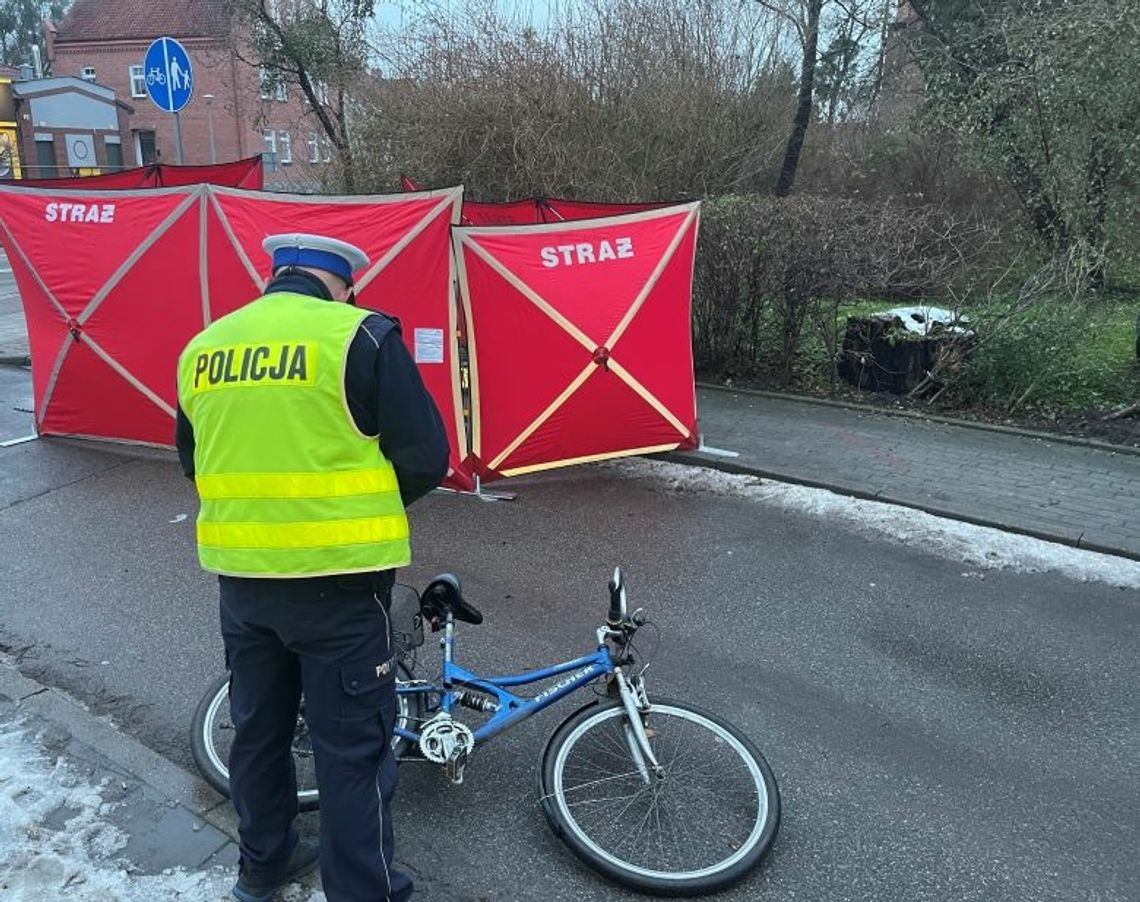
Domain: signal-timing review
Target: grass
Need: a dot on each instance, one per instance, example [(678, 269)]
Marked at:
[(1056, 355)]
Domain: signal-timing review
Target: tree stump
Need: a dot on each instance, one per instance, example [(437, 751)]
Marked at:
[(879, 354)]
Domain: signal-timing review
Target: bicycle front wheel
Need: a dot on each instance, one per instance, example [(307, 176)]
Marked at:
[(212, 732), (700, 827)]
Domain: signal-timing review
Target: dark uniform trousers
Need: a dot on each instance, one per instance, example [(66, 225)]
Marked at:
[(330, 638)]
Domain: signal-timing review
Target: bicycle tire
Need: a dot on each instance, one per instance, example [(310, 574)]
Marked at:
[(711, 735), (212, 760)]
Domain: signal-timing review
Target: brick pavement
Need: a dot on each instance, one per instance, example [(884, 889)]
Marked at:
[(1080, 495)]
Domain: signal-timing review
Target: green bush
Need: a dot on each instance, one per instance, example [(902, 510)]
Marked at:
[(1051, 355)]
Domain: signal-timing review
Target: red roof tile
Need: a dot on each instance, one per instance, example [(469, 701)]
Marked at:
[(111, 20)]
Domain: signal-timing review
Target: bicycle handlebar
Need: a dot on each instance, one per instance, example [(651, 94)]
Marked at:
[(617, 599)]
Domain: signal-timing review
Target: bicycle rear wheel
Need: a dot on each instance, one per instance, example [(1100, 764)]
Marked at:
[(698, 829), (211, 735)]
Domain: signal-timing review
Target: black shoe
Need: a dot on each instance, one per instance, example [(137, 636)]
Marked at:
[(305, 857)]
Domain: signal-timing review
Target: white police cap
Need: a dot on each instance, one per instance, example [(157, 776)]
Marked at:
[(317, 251)]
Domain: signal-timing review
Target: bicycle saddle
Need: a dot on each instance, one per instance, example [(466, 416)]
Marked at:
[(444, 594)]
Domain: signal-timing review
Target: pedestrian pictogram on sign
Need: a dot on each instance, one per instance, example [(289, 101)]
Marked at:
[(169, 80)]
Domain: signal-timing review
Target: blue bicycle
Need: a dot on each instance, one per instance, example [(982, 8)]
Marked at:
[(657, 795)]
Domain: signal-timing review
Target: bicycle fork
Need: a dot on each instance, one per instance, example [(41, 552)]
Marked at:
[(634, 701)]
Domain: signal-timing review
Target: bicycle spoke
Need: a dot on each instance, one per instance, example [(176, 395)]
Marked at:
[(624, 776), (603, 800), (657, 833)]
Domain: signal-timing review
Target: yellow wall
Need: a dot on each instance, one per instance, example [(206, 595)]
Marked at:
[(9, 142)]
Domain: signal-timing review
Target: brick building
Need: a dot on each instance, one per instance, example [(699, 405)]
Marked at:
[(232, 112), (66, 126)]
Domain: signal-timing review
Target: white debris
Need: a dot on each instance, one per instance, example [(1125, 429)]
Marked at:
[(56, 844), (922, 320), (979, 547)]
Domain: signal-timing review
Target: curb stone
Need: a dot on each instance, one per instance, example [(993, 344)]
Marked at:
[(696, 459)]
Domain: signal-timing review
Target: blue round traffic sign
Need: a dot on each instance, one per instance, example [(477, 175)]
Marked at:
[(169, 81)]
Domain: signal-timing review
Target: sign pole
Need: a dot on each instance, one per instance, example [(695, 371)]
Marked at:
[(178, 138)]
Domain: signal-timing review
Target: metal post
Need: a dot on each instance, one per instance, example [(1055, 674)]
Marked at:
[(178, 138), (209, 98)]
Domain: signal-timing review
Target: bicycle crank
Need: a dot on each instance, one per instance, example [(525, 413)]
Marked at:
[(448, 742)]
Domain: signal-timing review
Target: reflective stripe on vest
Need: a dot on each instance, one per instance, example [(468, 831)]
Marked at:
[(296, 485), (288, 485)]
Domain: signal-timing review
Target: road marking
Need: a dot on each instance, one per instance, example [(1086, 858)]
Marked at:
[(18, 441)]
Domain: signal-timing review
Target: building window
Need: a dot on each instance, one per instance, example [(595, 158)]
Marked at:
[(272, 85), (323, 93), (286, 144), (314, 148), (146, 149), (326, 150), (138, 81), (270, 137), (88, 73)]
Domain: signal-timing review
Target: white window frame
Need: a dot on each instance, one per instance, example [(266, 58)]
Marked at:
[(88, 73), (281, 92), (269, 138), (314, 148), (326, 150), (323, 93), (266, 90), (138, 81), (285, 142)]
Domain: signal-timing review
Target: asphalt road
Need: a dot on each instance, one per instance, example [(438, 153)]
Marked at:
[(936, 736)]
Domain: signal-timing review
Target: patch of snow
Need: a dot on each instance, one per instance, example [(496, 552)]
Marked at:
[(39, 861), (921, 320), (980, 547)]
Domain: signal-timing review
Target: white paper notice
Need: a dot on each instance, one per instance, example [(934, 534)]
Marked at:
[(429, 345)]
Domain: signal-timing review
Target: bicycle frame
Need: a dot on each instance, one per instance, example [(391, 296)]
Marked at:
[(511, 708)]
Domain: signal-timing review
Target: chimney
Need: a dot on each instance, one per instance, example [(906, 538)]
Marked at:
[(49, 44)]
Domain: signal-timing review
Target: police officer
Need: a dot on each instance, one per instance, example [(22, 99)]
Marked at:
[(308, 431)]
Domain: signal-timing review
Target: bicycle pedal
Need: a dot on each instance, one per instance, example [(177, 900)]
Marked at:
[(456, 762)]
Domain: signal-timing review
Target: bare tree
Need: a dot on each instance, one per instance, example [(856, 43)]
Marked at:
[(607, 99), (852, 34), (804, 16), (318, 45)]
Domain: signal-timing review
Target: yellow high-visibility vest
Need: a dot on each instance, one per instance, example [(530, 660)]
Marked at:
[(289, 486)]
